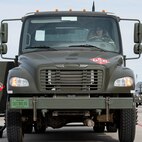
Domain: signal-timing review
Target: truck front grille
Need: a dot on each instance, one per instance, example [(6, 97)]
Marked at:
[(70, 80)]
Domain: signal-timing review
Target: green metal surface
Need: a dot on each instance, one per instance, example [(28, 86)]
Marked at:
[(71, 103)]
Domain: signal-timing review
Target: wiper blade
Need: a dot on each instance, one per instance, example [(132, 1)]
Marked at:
[(40, 47), (82, 45), (87, 45)]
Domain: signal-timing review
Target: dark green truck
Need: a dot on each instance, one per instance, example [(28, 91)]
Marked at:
[(60, 76)]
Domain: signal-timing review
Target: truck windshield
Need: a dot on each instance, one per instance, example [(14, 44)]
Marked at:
[(70, 32)]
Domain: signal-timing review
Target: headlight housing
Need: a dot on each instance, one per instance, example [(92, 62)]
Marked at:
[(124, 82), (19, 82)]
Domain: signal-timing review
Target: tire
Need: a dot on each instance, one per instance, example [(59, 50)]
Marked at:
[(127, 125), (14, 126), (99, 127), (1, 131)]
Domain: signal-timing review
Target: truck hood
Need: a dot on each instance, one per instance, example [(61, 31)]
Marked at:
[(36, 59)]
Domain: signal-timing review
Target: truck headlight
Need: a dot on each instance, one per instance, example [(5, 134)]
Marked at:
[(124, 82), (19, 82)]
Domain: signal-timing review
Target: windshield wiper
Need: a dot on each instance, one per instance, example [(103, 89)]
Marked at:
[(40, 47), (87, 45)]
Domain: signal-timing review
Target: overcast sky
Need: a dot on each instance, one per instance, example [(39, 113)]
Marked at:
[(122, 8)]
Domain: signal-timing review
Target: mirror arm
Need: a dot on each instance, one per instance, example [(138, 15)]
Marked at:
[(132, 58), (6, 57)]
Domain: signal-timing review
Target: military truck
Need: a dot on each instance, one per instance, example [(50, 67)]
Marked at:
[(61, 76)]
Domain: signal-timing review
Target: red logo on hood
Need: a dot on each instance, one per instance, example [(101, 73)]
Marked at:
[(101, 61)]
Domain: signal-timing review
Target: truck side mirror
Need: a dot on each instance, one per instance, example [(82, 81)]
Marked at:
[(137, 48), (3, 48), (4, 32), (138, 33)]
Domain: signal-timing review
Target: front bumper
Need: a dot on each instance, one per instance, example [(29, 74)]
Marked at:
[(71, 103)]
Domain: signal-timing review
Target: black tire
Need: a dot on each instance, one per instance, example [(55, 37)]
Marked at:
[(127, 125), (1, 131), (14, 126), (99, 127)]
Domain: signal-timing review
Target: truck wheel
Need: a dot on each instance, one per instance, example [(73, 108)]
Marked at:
[(99, 127), (127, 125), (1, 132), (14, 126)]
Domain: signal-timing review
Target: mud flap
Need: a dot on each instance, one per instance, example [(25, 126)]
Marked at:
[(4, 68)]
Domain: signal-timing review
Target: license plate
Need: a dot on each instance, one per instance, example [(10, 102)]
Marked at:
[(19, 103)]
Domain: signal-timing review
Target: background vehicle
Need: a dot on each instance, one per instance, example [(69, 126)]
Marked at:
[(59, 76), (4, 68), (138, 90)]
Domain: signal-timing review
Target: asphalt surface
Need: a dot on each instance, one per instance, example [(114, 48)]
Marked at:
[(77, 134)]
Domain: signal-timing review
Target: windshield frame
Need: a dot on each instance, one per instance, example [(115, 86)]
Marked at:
[(31, 17)]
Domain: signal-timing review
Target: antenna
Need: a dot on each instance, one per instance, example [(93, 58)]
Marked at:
[(93, 7)]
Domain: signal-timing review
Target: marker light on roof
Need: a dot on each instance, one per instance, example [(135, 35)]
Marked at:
[(101, 61)]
